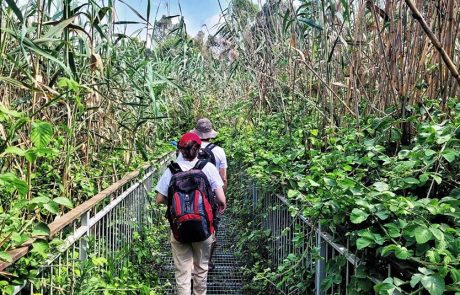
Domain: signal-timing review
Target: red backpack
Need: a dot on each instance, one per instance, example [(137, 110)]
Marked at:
[(191, 204)]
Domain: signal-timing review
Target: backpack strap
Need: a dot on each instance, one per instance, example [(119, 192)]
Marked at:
[(200, 164), (209, 147), (174, 168)]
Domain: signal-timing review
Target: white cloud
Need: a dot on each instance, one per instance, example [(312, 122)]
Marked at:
[(192, 26), (213, 22)]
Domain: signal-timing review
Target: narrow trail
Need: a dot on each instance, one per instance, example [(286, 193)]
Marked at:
[(225, 278)]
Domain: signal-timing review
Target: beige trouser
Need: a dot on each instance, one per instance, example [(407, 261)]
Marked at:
[(187, 257)]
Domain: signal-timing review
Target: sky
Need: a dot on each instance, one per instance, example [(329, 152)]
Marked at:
[(197, 13)]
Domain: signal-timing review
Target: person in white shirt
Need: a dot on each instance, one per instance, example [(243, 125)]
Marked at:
[(205, 131), (188, 256)]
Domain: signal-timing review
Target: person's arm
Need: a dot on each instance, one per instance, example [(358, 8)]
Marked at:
[(223, 175), (221, 201), (162, 187), (161, 199)]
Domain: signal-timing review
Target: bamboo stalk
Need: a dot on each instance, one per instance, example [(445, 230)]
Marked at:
[(445, 57)]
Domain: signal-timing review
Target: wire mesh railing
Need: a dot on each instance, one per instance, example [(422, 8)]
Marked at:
[(328, 266), (104, 231)]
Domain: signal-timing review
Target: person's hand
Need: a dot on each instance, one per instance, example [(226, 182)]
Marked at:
[(222, 208)]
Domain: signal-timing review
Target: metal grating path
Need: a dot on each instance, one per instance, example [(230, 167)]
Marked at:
[(225, 278)]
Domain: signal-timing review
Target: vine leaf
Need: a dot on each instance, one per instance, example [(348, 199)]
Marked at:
[(40, 247), (5, 257), (358, 216), (9, 180), (433, 284), (381, 186), (41, 230), (362, 243), (64, 202), (450, 155), (14, 150), (422, 234), (41, 133)]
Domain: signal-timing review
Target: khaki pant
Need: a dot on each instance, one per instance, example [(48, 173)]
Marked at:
[(187, 257)]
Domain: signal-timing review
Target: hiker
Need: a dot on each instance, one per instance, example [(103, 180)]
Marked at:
[(191, 219), (216, 155)]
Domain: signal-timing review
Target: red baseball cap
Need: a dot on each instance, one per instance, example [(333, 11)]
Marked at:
[(188, 137)]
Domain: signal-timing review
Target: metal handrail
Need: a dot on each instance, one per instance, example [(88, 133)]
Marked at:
[(102, 218), (74, 214), (279, 218), (326, 236)]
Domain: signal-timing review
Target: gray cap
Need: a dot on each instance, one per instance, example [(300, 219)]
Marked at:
[(204, 129)]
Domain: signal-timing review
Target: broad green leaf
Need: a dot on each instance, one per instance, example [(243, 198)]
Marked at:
[(64, 202), (434, 284), (4, 256), (429, 153), (403, 253), (40, 230), (450, 155), (6, 111), (362, 243), (40, 200), (411, 180), (382, 214), (41, 133), (14, 150), (437, 178), (358, 215), (388, 249), (416, 278), (443, 139), (425, 271), (329, 182), (455, 274), (433, 256), (41, 247), (387, 287), (422, 234), (31, 155), (393, 230), (381, 186), (437, 233), (12, 182), (52, 207), (313, 183), (19, 239)]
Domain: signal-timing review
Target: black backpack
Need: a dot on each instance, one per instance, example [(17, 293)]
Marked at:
[(207, 154), (191, 204)]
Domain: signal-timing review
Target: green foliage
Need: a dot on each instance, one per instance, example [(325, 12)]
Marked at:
[(398, 203)]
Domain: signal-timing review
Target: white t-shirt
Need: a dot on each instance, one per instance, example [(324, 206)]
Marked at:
[(219, 154), (209, 170)]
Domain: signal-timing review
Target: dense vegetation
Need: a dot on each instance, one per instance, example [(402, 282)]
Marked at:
[(347, 108)]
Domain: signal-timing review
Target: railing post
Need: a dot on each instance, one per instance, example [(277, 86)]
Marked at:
[(84, 241), (320, 270)]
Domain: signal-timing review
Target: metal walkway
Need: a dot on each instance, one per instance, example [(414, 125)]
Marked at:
[(225, 278)]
